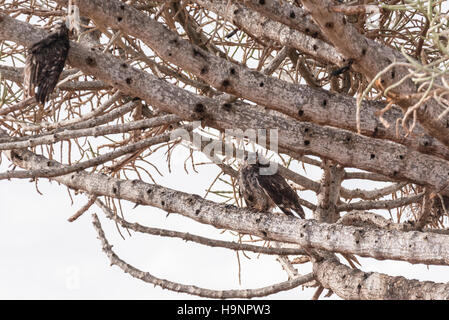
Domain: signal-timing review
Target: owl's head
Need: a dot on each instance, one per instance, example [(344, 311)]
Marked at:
[(254, 158)]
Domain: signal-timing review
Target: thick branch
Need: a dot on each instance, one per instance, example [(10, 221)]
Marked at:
[(346, 148), (298, 101), (415, 247), (372, 57), (278, 250), (350, 283)]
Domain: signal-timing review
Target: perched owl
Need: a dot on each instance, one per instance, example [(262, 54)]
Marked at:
[(263, 192), (45, 62)]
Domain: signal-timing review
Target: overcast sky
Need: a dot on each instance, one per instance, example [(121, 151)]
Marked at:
[(43, 256), (46, 257)]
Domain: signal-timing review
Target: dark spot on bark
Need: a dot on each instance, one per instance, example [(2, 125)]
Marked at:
[(395, 173), (301, 235), (72, 177), (363, 51), (257, 220), (357, 241), (149, 191), (315, 47), (426, 143), (348, 139), (129, 80), (375, 132), (91, 61), (227, 107), (92, 49), (300, 113), (204, 70), (261, 84), (393, 74), (306, 130), (372, 156), (174, 41), (232, 71), (329, 25), (307, 30), (226, 83), (306, 142), (344, 20), (261, 2), (315, 34), (324, 103), (292, 15), (382, 81), (199, 107), (49, 163), (18, 156), (236, 11), (264, 233), (401, 157), (114, 190), (198, 53), (163, 202), (169, 54), (197, 211), (124, 65), (250, 198), (119, 19)]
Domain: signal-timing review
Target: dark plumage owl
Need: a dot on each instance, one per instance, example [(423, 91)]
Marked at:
[(263, 192), (45, 62)]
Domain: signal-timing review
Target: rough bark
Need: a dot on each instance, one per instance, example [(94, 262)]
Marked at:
[(344, 147), (413, 246), (298, 101), (370, 58)]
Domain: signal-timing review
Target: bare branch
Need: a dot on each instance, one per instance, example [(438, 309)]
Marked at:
[(190, 289)]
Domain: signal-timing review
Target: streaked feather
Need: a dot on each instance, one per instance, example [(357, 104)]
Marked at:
[(263, 192), (44, 64)]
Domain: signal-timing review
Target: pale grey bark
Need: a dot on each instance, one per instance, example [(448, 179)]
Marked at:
[(261, 27), (370, 58), (351, 284), (310, 122), (413, 246), (344, 147), (298, 101), (286, 13)]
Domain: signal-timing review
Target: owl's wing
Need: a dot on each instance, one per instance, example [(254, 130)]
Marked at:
[(281, 193), (44, 64)]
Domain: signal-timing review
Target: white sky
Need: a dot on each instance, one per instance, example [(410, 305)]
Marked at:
[(45, 257)]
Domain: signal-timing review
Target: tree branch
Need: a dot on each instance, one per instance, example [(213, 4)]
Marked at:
[(190, 289), (414, 247)]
